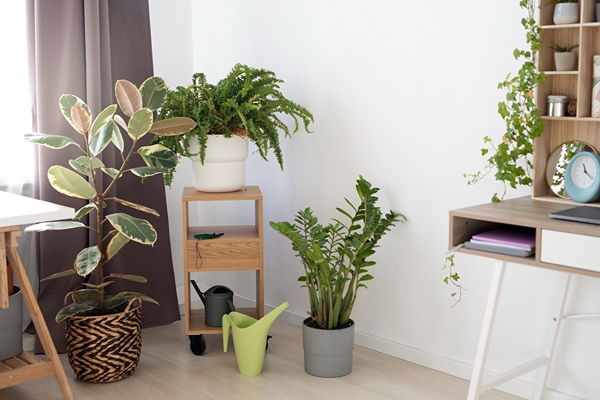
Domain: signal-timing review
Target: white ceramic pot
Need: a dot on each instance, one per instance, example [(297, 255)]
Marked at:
[(224, 168), (565, 61), (566, 13)]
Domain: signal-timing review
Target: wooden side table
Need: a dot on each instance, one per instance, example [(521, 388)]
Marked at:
[(15, 211)]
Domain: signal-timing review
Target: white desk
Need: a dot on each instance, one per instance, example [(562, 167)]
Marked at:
[(558, 247), (15, 211)]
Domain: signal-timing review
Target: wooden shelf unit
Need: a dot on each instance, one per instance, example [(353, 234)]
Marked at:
[(569, 247), (240, 248), (575, 84)]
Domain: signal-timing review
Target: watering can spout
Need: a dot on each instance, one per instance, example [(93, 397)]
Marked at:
[(268, 319)]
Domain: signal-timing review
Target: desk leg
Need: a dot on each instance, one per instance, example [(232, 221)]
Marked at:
[(486, 330), (36, 316), (540, 388)]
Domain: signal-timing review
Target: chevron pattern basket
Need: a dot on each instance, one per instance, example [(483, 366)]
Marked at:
[(105, 348)]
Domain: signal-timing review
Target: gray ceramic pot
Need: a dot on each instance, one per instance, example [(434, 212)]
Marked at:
[(11, 330), (328, 353)]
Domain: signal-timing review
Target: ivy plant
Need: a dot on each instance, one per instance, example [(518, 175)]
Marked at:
[(511, 158)]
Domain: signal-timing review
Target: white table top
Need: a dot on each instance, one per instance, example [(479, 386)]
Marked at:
[(21, 210)]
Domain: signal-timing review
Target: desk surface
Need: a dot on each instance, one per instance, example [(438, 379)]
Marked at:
[(21, 210), (522, 212)]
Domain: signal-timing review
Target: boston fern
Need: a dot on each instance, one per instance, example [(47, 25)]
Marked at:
[(336, 256), (247, 102), (85, 179)]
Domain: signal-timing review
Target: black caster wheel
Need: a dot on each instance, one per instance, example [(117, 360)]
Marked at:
[(267, 346), (197, 344)]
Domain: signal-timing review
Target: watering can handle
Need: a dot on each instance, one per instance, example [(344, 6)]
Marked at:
[(226, 322), (200, 294), (230, 305)]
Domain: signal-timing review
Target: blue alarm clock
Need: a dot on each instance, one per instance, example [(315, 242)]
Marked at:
[(582, 180)]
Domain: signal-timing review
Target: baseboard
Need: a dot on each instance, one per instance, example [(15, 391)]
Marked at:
[(448, 366)]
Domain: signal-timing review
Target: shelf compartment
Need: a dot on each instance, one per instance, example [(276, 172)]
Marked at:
[(561, 36)]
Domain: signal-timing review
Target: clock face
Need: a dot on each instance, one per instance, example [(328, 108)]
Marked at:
[(584, 172)]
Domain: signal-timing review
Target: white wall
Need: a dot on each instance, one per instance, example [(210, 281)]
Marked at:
[(402, 93)]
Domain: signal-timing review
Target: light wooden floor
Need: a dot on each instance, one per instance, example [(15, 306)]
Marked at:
[(168, 370)]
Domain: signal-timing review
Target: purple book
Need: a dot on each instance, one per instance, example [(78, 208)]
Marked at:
[(524, 240)]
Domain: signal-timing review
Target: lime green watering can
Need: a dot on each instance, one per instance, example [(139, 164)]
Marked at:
[(249, 338)]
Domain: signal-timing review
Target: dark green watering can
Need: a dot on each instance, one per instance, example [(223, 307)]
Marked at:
[(218, 301)]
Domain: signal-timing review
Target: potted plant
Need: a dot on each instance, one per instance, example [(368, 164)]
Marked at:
[(112, 352), (564, 58), (245, 105), (336, 260), (11, 331), (565, 11)]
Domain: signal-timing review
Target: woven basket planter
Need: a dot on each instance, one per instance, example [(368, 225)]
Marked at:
[(105, 348)]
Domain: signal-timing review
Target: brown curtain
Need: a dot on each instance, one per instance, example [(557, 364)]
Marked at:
[(82, 47)]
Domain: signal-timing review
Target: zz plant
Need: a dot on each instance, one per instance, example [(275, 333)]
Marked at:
[(84, 181), (336, 257), (247, 102), (511, 157)]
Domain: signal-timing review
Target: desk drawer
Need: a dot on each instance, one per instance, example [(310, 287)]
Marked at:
[(571, 250)]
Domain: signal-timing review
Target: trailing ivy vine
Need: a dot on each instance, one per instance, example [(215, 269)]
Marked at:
[(511, 157)]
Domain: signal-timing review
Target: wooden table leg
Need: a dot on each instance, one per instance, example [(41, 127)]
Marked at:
[(36, 314)]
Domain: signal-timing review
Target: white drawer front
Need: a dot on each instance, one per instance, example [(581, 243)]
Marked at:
[(571, 250)]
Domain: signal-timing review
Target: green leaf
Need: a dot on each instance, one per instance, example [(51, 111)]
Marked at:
[(133, 278), (104, 137), (137, 206), (82, 165), (128, 97), (85, 210), (67, 102), (140, 123), (102, 119), (71, 310), (173, 126), (153, 91), (67, 182), (96, 287), (144, 172), (87, 260), (82, 295), (117, 137), (54, 226), (124, 297), (59, 275), (137, 229), (158, 156), (51, 141), (113, 173), (115, 245)]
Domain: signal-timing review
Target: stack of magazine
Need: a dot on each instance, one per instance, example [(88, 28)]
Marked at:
[(504, 241)]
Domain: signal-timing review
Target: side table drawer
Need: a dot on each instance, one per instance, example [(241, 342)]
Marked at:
[(571, 250)]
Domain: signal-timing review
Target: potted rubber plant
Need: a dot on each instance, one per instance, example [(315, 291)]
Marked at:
[(112, 351), (246, 105), (336, 258)]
